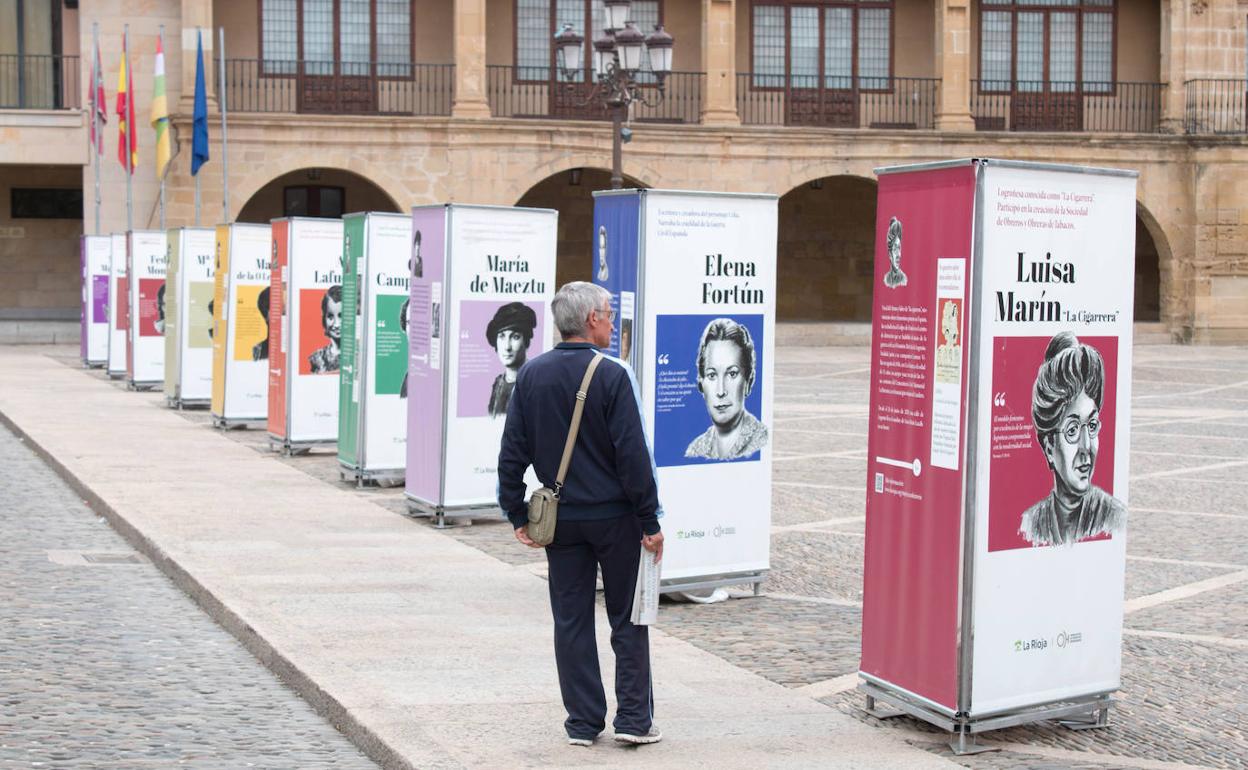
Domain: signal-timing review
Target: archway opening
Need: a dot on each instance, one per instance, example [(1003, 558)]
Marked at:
[(826, 250), (1147, 271), (315, 192), (571, 193)]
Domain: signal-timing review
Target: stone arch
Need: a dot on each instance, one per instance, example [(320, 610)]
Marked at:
[(264, 199), (570, 192), (1153, 259), (826, 250)]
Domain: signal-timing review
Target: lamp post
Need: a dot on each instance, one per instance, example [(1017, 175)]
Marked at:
[(617, 57)]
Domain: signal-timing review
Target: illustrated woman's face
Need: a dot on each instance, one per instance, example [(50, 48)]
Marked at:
[(602, 245), (1072, 448), (509, 345), (894, 252), (333, 320), (723, 383)]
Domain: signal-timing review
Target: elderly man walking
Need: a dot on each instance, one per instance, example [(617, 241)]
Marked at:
[(607, 506)]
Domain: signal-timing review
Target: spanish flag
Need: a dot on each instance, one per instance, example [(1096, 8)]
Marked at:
[(160, 112), (125, 116)]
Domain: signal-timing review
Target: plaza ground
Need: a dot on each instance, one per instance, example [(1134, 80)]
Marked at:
[(420, 645)]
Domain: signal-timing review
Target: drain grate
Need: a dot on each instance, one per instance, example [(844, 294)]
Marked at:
[(94, 558)]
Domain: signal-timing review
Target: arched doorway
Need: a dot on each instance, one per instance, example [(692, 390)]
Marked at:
[(826, 250), (571, 192), (1147, 267), (315, 192)]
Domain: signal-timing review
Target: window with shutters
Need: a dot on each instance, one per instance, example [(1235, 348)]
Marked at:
[(1047, 46), (336, 37), (808, 44)]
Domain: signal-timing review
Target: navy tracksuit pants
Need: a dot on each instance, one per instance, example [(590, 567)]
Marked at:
[(578, 550)]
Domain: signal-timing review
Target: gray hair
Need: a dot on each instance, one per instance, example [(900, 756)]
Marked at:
[(573, 303)]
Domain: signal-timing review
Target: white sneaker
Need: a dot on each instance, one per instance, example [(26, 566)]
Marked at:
[(580, 741), (652, 736)]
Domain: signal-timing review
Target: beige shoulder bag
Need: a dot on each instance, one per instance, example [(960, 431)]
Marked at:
[(544, 503)]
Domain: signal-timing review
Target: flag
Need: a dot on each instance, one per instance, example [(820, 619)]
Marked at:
[(160, 112), (99, 105), (125, 117), (199, 119)]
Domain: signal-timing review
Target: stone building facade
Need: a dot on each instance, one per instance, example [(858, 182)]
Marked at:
[(767, 96)]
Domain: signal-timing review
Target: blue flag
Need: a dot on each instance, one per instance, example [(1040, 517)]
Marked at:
[(199, 129)]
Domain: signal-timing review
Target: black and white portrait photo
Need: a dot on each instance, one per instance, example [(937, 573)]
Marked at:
[(403, 311), (510, 332), (603, 273), (895, 277), (160, 309), (726, 372), (260, 351), (325, 359), (1066, 413), (416, 263)]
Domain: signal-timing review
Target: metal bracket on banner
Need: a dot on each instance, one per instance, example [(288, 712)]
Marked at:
[(445, 517), (362, 478), (715, 581)]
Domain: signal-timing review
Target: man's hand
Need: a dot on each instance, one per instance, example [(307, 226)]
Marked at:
[(522, 534), (654, 544)]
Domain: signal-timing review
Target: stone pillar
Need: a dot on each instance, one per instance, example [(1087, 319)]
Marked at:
[(196, 16), (1173, 64), (719, 62), (953, 52), (470, 73)]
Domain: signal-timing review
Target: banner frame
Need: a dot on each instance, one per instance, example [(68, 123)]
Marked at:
[(133, 381), (228, 419), (1089, 710)]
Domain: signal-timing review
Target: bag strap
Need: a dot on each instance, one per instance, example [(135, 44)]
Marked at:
[(575, 427)]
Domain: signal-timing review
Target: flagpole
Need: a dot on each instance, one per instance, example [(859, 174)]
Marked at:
[(95, 118), (165, 171), (225, 139), (125, 48)]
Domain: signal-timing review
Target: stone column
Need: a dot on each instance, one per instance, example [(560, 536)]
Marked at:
[(1173, 64), (953, 53), (196, 15), (719, 62), (470, 73)]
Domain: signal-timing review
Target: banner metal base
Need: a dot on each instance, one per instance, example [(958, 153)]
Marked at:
[(174, 402), (460, 515), (391, 477), (1085, 713), (237, 423), (93, 364), (754, 578), (290, 448), (143, 386)]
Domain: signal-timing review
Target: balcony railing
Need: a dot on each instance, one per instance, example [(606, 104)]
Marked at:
[(39, 82), (1039, 106), (529, 92), (773, 100), (337, 88), (1216, 107)]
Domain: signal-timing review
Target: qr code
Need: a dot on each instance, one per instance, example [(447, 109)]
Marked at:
[(879, 482)]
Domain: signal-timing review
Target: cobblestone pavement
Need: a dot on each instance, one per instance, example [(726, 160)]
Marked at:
[(1184, 700), (105, 664)]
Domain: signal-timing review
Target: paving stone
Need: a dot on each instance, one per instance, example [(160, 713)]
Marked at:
[(1213, 613), (1150, 577), (111, 666)]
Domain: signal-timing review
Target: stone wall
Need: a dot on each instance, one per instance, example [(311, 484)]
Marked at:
[(40, 272)]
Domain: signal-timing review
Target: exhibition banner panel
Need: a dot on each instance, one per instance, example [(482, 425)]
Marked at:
[(118, 310), (240, 311), (189, 302), (616, 229), (96, 265), (145, 343), (916, 435), (350, 374), (312, 333), (501, 276), (426, 369), (706, 353), (279, 333), (383, 386), (1052, 433)]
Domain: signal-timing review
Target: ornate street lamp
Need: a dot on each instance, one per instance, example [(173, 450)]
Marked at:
[(617, 58)]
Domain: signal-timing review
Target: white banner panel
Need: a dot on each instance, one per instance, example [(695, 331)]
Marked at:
[(97, 253), (194, 294), (145, 337), (1054, 310), (500, 266), (383, 381), (313, 345), (707, 317), (117, 308), (241, 373)]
